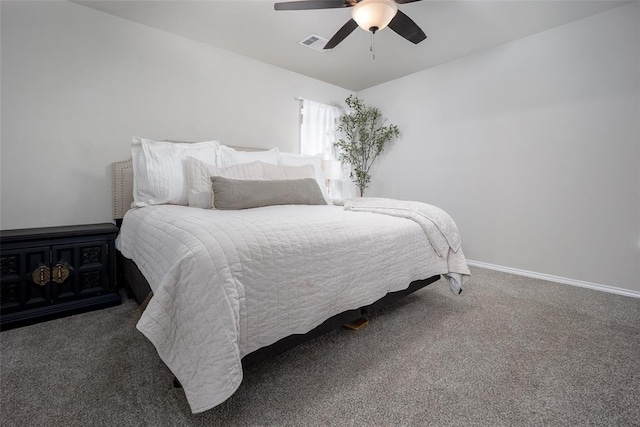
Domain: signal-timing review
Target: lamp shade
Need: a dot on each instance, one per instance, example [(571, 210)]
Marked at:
[(374, 15), (332, 169)]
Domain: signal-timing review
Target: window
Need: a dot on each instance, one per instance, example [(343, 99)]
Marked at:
[(319, 123), (317, 135)]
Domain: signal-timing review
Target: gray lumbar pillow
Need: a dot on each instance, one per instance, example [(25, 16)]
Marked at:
[(245, 194)]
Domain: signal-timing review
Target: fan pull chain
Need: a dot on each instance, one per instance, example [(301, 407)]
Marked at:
[(372, 48)]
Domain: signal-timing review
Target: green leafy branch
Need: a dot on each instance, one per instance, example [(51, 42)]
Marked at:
[(363, 139)]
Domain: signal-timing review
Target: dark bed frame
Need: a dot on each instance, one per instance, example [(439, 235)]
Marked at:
[(138, 288)]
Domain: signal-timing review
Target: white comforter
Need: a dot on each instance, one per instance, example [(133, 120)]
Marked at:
[(229, 282), (438, 226)]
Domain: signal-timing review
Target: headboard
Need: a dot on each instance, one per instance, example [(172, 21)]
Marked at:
[(123, 183)]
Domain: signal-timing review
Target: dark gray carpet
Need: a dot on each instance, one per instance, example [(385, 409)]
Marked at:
[(509, 351)]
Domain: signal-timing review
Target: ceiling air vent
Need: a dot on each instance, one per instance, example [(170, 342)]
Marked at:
[(315, 42)]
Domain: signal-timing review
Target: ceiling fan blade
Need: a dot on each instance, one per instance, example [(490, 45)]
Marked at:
[(341, 34), (314, 4), (406, 1), (404, 26)]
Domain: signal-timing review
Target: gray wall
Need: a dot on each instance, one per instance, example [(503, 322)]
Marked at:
[(533, 147), (77, 84)]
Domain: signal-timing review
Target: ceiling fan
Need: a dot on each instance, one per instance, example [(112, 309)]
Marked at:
[(370, 15)]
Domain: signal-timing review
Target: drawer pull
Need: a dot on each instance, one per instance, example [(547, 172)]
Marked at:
[(60, 273), (41, 275)]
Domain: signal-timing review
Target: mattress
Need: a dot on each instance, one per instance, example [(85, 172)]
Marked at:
[(227, 283)]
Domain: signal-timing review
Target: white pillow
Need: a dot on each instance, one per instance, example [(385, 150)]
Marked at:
[(227, 156), (291, 159), (274, 172), (159, 170), (139, 173), (199, 175)]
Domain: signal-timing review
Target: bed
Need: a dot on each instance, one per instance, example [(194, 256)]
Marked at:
[(231, 287)]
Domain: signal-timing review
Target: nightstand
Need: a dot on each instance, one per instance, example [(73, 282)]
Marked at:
[(52, 272)]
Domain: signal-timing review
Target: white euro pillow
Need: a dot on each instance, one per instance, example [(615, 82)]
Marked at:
[(227, 156), (160, 172), (199, 175)]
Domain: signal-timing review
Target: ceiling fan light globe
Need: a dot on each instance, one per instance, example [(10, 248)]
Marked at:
[(374, 13)]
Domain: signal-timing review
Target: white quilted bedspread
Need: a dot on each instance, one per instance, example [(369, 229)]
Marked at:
[(229, 282)]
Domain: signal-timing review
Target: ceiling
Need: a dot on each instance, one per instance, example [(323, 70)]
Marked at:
[(253, 28)]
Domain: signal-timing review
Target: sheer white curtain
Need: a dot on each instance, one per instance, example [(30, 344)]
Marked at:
[(319, 122)]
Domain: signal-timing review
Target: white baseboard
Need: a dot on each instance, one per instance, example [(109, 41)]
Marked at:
[(550, 278)]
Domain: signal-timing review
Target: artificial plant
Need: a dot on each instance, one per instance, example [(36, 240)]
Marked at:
[(362, 139)]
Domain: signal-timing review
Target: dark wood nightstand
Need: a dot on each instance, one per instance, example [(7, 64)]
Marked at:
[(46, 273)]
